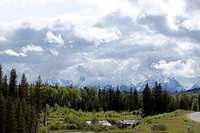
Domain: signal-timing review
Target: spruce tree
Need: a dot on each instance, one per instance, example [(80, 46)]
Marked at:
[(146, 106), (38, 94), (12, 83), (199, 101), (135, 99), (5, 86), (1, 79), (157, 99), (23, 87)]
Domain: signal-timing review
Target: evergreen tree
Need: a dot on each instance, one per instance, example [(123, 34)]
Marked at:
[(146, 106), (5, 86), (23, 87), (1, 79), (157, 99), (20, 119), (165, 101), (12, 83), (199, 101), (38, 94), (135, 99)]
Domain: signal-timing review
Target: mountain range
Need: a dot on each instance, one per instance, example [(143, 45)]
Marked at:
[(171, 84)]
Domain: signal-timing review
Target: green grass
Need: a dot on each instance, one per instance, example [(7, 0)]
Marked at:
[(175, 122), (63, 120)]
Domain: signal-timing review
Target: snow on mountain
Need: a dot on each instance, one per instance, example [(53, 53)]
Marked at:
[(140, 86), (195, 86), (170, 84), (58, 82)]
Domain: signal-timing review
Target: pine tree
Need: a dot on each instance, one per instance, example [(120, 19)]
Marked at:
[(2, 113), (12, 83), (146, 106), (20, 118), (157, 99), (1, 79), (199, 101), (165, 101), (23, 87), (38, 94), (136, 99), (5, 86)]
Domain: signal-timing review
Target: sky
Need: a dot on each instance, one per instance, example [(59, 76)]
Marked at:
[(101, 41)]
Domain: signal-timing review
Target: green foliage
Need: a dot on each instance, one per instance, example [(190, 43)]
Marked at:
[(12, 84), (43, 129), (158, 127)]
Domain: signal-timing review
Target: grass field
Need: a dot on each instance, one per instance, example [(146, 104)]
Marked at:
[(65, 120)]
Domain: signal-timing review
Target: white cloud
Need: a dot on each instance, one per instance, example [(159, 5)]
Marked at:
[(11, 52), (55, 39), (146, 39), (97, 35), (186, 47), (31, 48), (54, 52), (188, 68), (101, 71), (24, 51), (3, 39), (171, 32)]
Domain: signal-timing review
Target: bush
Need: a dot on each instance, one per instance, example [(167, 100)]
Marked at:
[(56, 126), (43, 129), (159, 127)]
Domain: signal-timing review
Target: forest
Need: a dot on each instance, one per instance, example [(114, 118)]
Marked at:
[(22, 103)]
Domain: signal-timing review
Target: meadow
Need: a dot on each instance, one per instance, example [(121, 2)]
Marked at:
[(65, 120)]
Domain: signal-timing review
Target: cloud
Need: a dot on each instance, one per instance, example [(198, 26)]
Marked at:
[(97, 35), (54, 52), (11, 52), (101, 71), (3, 39), (24, 51), (31, 48), (188, 68), (131, 35), (55, 39)]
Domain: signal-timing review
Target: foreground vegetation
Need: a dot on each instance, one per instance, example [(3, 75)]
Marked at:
[(40, 107), (63, 119)]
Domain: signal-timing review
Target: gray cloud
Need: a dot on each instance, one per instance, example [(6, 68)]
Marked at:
[(118, 47)]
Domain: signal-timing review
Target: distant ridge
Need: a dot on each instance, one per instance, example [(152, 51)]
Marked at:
[(170, 84)]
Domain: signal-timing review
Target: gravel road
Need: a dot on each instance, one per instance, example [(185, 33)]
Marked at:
[(194, 116)]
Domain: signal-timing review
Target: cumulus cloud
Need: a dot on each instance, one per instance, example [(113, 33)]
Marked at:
[(55, 39), (24, 51), (31, 48), (97, 35), (101, 71), (11, 52), (188, 68), (3, 39), (54, 52), (136, 35)]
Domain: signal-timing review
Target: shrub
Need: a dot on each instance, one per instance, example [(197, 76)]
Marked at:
[(56, 126), (159, 127), (43, 129)]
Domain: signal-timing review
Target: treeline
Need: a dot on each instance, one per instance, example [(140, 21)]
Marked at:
[(157, 100), (149, 102), (92, 99), (21, 103)]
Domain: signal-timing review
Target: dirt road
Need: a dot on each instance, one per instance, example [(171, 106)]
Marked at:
[(194, 116)]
